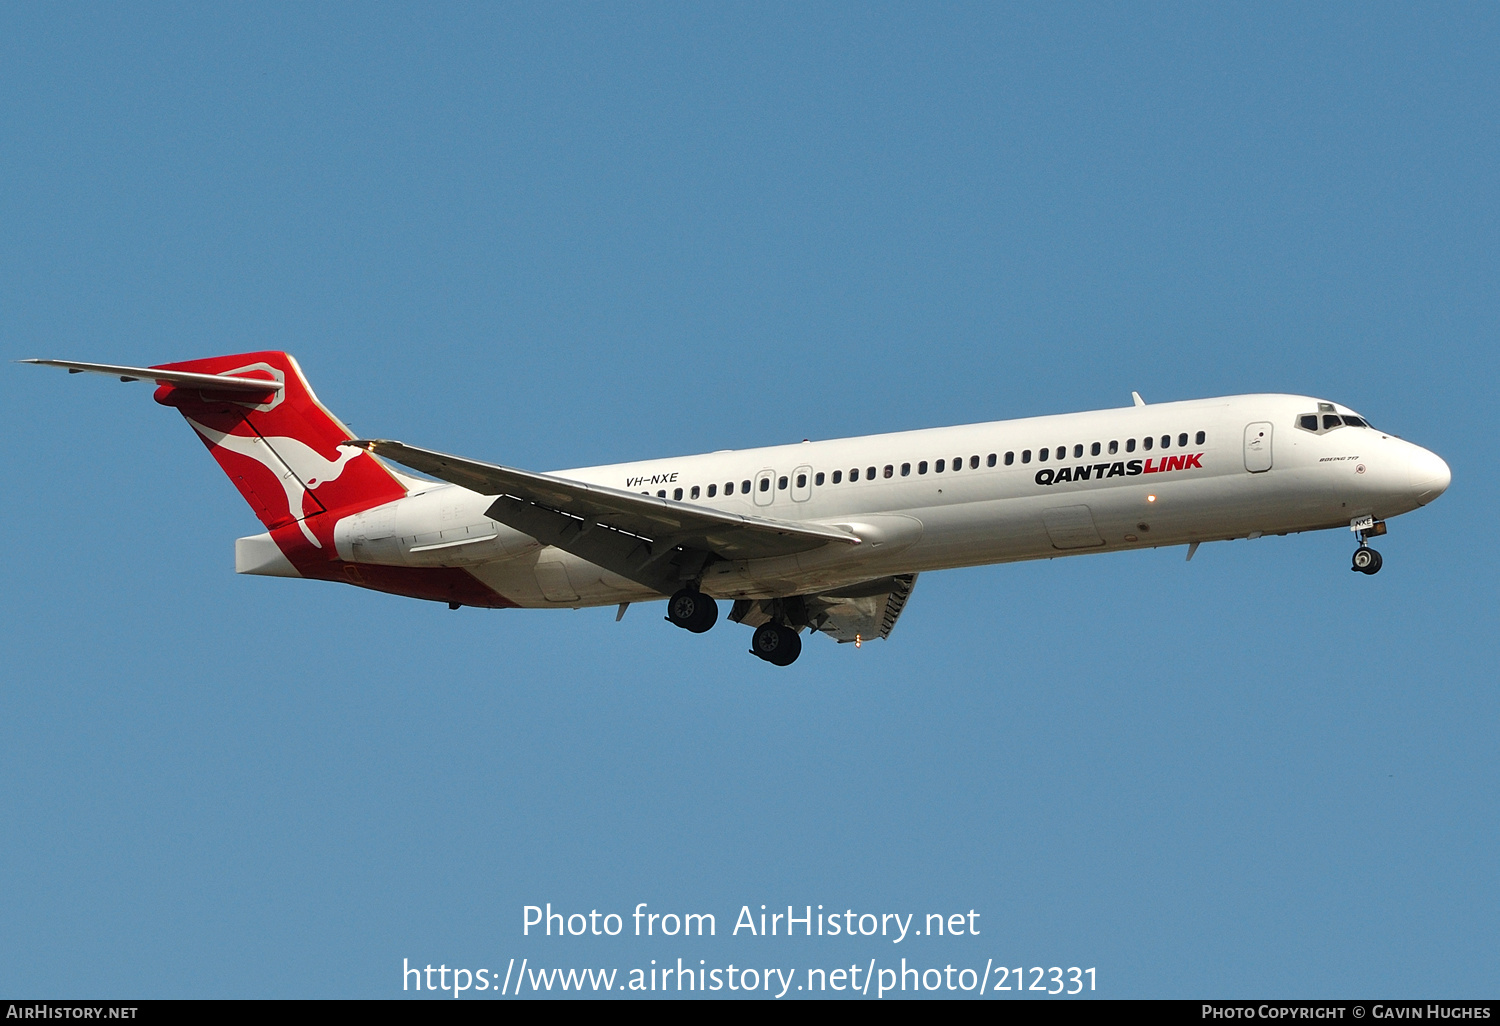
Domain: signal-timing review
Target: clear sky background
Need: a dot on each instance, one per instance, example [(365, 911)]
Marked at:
[(555, 236)]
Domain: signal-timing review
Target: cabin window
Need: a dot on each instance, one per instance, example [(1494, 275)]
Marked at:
[(1308, 422), (1182, 439), (937, 468), (1043, 454), (869, 473), (906, 470), (1331, 421), (973, 462), (662, 494), (1201, 438), (1130, 445), (818, 480), (694, 493), (1147, 443), (854, 474), (801, 480), (1114, 446), (922, 467), (728, 487), (677, 494), (745, 487), (1025, 455), (1078, 451), (765, 484), (1094, 449), (1166, 441), (781, 484), (838, 476), (1351, 421), (990, 460), (958, 464), (1062, 452), (1010, 458), (713, 490), (889, 470)]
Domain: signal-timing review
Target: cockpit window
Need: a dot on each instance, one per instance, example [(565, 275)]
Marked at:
[(1329, 422), (1310, 421)]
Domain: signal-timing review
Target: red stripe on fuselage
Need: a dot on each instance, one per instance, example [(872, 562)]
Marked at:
[(436, 584)]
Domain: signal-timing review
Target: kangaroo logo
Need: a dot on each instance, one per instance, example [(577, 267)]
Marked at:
[(298, 466), (276, 397)]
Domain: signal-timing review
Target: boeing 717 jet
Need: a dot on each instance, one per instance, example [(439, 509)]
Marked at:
[(821, 536)]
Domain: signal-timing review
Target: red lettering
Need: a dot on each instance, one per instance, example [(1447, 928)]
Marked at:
[(1174, 462), (1192, 461), (1150, 469)]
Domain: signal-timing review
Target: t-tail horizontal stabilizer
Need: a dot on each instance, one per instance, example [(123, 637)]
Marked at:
[(216, 382)]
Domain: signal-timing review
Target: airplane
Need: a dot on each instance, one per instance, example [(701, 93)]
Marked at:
[(825, 536)]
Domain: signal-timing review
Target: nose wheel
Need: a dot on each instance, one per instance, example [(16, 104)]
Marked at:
[(1366, 560), (692, 611)]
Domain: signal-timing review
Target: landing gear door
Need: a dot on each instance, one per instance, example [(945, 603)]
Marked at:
[(1258, 447), (765, 487)]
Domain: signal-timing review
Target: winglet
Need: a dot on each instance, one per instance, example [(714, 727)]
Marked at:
[(1137, 397)]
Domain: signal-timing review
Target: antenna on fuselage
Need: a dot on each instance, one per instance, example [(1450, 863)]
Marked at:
[(1137, 397)]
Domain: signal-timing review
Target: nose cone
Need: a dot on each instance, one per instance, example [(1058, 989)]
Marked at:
[(1430, 476)]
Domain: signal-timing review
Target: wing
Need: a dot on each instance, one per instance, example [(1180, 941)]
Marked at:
[(643, 538), (862, 612), (859, 612)]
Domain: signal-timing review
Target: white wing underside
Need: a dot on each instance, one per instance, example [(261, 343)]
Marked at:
[(862, 617), (860, 612)]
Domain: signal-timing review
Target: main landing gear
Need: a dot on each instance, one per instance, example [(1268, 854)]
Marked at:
[(1367, 560), (776, 643), (692, 610)]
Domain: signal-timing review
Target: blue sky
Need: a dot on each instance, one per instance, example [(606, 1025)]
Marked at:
[(555, 236)]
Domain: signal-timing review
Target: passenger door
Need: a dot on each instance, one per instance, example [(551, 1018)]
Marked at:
[(1258, 447)]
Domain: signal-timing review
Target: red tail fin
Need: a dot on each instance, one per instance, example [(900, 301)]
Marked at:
[(281, 450)]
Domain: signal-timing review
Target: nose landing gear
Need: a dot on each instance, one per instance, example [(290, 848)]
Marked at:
[(1367, 560), (692, 611)]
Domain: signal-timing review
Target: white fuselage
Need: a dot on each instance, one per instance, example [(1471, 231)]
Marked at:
[(1238, 467)]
